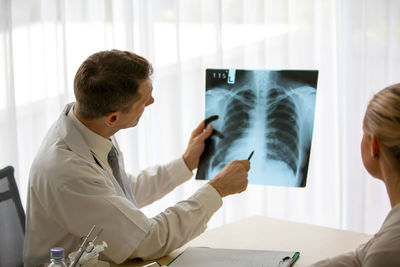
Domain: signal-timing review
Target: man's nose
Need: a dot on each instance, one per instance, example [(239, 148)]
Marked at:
[(151, 101)]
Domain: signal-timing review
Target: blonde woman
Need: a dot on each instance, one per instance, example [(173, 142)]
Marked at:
[(380, 150)]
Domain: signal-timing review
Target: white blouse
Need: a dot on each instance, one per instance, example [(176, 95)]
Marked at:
[(381, 250)]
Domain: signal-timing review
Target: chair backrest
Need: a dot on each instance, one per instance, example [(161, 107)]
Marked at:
[(12, 220)]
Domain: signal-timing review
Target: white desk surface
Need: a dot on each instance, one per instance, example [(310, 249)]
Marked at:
[(257, 232)]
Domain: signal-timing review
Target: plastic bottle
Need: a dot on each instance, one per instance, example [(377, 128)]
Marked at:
[(57, 257)]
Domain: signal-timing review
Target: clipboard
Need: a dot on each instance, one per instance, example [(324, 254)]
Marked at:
[(217, 257)]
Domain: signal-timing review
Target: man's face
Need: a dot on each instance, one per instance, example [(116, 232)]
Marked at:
[(144, 99)]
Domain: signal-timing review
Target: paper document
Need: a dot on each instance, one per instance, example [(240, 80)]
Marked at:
[(215, 257)]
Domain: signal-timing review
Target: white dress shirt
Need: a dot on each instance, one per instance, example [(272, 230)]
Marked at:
[(381, 250), (72, 188)]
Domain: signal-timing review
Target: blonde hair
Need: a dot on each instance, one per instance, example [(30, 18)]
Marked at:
[(382, 119)]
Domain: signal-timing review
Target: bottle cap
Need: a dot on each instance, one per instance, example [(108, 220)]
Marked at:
[(57, 253)]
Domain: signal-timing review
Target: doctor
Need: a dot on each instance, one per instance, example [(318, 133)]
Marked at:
[(78, 179)]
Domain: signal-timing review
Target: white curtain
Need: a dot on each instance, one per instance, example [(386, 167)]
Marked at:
[(355, 45)]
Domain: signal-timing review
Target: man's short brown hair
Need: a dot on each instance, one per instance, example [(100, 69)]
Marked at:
[(108, 81)]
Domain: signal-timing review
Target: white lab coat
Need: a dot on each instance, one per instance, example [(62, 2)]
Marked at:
[(69, 193)]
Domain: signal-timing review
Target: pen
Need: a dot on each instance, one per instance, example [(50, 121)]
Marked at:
[(288, 261), (251, 154), (296, 256)]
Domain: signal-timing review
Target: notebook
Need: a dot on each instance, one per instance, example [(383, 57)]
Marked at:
[(216, 257)]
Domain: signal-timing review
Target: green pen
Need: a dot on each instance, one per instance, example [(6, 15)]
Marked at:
[(295, 257)]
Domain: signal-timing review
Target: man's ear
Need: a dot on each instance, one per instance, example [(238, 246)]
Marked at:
[(374, 146), (111, 119)]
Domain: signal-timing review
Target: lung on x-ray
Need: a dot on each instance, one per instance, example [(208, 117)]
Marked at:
[(270, 112)]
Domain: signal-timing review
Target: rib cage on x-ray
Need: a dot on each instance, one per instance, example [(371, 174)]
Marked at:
[(239, 107), (282, 128), (265, 111)]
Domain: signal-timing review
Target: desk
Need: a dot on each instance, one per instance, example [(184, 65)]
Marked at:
[(313, 242)]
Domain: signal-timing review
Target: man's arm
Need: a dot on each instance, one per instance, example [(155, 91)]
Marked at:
[(179, 224), (187, 219), (153, 183)]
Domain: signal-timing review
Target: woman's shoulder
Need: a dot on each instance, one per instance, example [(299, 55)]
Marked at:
[(384, 248)]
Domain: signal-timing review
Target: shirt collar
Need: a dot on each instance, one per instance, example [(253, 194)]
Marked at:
[(99, 145)]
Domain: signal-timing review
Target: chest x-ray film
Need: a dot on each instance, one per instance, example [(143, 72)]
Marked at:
[(270, 112)]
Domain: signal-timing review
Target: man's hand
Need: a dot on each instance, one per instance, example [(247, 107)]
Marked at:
[(196, 145), (232, 179)]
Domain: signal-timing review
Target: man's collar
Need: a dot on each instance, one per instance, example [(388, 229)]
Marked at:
[(99, 145)]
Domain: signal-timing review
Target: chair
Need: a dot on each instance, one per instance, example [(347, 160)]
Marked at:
[(12, 221)]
